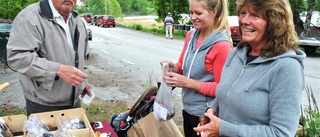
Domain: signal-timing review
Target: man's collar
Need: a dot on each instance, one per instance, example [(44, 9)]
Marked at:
[(55, 13), (48, 11)]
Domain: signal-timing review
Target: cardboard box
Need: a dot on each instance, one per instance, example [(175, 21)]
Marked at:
[(15, 124), (50, 118)]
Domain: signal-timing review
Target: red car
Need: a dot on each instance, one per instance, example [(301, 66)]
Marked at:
[(107, 21), (234, 29), (87, 17)]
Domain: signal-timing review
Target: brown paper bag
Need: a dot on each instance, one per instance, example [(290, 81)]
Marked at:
[(150, 127)]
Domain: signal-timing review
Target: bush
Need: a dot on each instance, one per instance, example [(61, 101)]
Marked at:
[(310, 118), (137, 26)]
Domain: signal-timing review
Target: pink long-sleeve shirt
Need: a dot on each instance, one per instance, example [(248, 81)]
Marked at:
[(214, 62)]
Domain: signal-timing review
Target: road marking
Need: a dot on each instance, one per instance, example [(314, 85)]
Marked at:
[(105, 51), (92, 45), (127, 61), (150, 41)]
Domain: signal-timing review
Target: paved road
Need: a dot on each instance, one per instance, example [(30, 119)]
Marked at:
[(142, 52)]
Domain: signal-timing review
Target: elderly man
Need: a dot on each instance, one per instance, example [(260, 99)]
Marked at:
[(168, 22), (47, 46)]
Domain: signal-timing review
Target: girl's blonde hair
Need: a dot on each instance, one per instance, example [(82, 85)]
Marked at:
[(220, 21)]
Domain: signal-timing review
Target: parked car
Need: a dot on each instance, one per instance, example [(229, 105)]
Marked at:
[(89, 31), (87, 17), (309, 44), (107, 21), (95, 19), (311, 41), (89, 35), (5, 28), (234, 29), (5, 25)]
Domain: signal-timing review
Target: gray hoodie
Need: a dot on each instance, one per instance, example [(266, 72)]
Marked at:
[(193, 67), (261, 98)]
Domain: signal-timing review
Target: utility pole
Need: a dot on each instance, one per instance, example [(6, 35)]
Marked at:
[(105, 7)]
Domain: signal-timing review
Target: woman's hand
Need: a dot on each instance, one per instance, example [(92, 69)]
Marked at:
[(172, 66), (212, 128), (175, 80)]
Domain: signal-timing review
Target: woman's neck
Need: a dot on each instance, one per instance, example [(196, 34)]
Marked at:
[(256, 48), (203, 35)]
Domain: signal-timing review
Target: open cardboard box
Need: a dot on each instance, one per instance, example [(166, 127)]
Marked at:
[(50, 118), (15, 124)]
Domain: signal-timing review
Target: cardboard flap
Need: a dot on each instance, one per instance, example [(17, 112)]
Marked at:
[(15, 122), (150, 127)]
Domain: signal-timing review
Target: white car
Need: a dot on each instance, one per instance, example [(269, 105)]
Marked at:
[(310, 44), (88, 28), (89, 32)]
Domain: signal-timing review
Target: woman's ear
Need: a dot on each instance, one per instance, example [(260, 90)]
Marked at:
[(214, 12)]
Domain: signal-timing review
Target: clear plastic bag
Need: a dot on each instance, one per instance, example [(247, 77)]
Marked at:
[(163, 105)]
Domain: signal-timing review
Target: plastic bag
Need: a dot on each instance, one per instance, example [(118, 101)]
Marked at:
[(163, 105)]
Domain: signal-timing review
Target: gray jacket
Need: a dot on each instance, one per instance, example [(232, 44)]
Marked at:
[(37, 46), (261, 98), (168, 21), (193, 67)]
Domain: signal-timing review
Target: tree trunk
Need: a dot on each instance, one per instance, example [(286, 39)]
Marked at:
[(310, 9)]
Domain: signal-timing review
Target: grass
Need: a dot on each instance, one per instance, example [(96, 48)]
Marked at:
[(101, 110), (150, 26), (12, 111), (98, 110)]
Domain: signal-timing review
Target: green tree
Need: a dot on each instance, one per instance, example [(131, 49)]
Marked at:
[(10, 8), (101, 7), (310, 9), (114, 8), (232, 7), (126, 6), (175, 7), (297, 6)]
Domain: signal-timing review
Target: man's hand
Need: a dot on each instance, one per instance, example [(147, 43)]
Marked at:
[(87, 89), (71, 75), (212, 128)]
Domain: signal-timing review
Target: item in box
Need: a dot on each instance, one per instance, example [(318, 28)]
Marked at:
[(47, 135), (35, 126), (71, 124), (51, 118), (103, 129), (4, 129)]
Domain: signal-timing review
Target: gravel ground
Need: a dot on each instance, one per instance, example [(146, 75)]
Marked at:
[(110, 83)]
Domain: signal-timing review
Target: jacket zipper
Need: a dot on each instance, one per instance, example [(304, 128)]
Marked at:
[(244, 67)]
